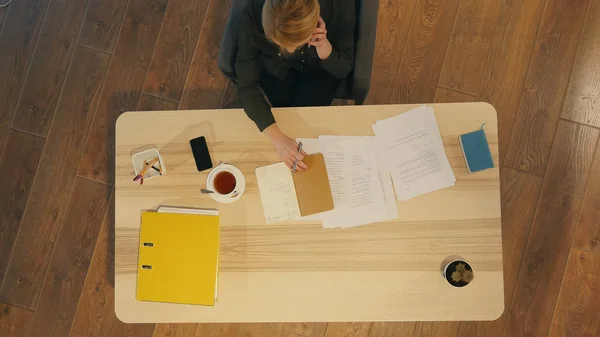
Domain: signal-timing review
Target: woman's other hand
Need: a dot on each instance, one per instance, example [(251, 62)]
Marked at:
[(320, 42), (286, 147)]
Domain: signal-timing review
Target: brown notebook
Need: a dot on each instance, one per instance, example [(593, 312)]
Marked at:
[(286, 195)]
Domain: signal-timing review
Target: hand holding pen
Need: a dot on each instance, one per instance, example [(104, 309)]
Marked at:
[(295, 168), (287, 148)]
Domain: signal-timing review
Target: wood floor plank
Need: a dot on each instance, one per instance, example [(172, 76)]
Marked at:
[(52, 185), (49, 66), (382, 87), (303, 330), (578, 309), (260, 330), (587, 235), (95, 314), (469, 45), (348, 329), (418, 74), (546, 84), (444, 95), (175, 330), (18, 166), (102, 24), (510, 53), (151, 103), (175, 48), (221, 330), (4, 132), (205, 83), (121, 329), (582, 102), (520, 193), (385, 329), (123, 86), (436, 329), (552, 230), (71, 259), (393, 26), (19, 35), (14, 321)]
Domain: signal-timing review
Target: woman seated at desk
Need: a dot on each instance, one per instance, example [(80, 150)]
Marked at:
[(297, 51)]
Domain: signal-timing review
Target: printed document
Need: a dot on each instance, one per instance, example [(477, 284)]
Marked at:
[(361, 188), (416, 157)]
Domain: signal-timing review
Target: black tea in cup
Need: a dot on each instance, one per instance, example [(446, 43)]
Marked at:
[(224, 182)]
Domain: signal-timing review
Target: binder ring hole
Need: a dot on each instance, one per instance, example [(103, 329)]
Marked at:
[(145, 266), (148, 244)]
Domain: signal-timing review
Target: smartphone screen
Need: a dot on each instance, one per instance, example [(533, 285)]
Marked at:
[(201, 155)]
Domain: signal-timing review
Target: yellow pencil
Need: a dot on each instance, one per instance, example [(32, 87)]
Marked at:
[(145, 169)]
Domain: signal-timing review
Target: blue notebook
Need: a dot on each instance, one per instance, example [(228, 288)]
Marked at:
[(476, 151)]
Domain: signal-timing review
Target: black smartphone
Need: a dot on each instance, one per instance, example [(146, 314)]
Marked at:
[(201, 155)]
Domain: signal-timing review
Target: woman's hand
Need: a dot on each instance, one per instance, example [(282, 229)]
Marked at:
[(320, 42), (286, 147)]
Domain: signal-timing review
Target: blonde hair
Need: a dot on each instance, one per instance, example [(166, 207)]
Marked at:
[(289, 23)]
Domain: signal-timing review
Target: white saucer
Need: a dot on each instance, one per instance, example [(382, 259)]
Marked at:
[(240, 186)]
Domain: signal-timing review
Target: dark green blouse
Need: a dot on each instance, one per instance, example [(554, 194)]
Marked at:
[(255, 51)]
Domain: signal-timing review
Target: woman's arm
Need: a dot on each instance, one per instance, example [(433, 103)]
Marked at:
[(247, 83), (341, 35)]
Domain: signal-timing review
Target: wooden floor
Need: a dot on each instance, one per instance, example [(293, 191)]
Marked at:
[(69, 68)]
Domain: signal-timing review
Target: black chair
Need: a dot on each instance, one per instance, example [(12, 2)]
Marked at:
[(355, 86)]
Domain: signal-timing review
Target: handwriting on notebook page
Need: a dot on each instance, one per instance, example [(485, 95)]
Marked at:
[(277, 193)]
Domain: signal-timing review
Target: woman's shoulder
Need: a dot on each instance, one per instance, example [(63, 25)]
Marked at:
[(253, 8), (251, 15)]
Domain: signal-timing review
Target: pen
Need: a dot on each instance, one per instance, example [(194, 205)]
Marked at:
[(296, 161)]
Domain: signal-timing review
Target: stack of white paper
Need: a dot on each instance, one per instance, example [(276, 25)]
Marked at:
[(360, 183), (415, 154), (407, 149)]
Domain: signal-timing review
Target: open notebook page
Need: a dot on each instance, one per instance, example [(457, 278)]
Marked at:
[(277, 193)]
